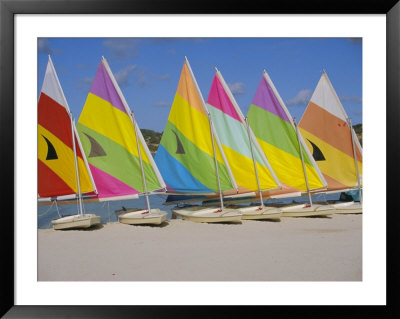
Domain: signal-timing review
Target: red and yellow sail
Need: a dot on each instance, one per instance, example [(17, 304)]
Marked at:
[(56, 159)]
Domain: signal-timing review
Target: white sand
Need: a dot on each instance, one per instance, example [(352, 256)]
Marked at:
[(294, 249)]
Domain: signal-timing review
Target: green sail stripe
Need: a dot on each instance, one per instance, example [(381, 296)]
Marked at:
[(116, 161), (280, 133), (200, 164)]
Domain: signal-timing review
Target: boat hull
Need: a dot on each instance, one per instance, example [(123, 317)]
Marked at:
[(255, 213), (139, 217), (348, 208), (307, 211), (200, 214), (76, 221)]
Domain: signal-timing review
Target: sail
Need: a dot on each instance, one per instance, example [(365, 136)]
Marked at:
[(275, 131), (326, 131), (108, 135), (233, 134), (185, 155), (57, 175)]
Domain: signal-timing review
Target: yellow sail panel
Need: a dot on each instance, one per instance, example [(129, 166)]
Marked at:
[(193, 124), (64, 164), (332, 155), (288, 168), (97, 114), (242, 168)]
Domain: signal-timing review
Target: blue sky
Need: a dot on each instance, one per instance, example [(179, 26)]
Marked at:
[(148, 69)]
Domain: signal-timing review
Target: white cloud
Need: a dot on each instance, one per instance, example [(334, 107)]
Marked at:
[(355, 99), (123, 48), (122, 76), (237, 88), (84, 83), (161, 77), (302, 98), (44, 46)]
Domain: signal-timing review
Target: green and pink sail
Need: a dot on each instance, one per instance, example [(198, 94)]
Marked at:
[(274, 128), (107, 130)]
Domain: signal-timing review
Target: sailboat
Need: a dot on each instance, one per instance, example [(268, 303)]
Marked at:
[(277, 134), (335, 146), (119, 159), (190, 157), (62, 166), (251, 169)]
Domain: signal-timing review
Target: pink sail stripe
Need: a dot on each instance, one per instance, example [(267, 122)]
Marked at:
[(104, 88), (108, 186), (220, 100), (266, 99)]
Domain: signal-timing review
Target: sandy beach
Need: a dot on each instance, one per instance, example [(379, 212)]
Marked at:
[(292, 249)]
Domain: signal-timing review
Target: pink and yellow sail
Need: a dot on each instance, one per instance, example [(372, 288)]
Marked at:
[(234, 136), (107, 130), (57, 168), (324, 125)]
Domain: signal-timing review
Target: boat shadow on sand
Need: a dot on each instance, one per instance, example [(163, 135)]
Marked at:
[(91, 228), (162, 225)]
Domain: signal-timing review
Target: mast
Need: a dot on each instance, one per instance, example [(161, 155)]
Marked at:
[(254, 163), (130, 114), (355, 159), (76, 167), (212, 135), (146, 195), (302, 162)]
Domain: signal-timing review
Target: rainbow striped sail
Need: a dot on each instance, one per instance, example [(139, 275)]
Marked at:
[(328, 135), (234, 136), (276, 133), (185, 155), (108, 135), (57, 170)]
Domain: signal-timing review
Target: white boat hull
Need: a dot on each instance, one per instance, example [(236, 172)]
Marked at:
[(258, 213), (348, 208), (140, 217), (201, 214), (304, 210), (76, 221)]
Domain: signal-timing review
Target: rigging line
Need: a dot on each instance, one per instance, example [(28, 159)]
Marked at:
[(40, 215)]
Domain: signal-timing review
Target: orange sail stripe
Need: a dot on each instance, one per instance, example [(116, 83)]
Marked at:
[(187, 90), (334, 184), (330, 128)]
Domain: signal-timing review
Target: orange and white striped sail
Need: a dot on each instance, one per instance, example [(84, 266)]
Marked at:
[(324, 126), (57, 171)]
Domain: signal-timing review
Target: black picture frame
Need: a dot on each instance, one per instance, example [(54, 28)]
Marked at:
[(8, 10)]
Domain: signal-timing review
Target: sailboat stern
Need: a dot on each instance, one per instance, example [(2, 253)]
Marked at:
[(202, 214), (141, 216), (76, 222), (259, 212)]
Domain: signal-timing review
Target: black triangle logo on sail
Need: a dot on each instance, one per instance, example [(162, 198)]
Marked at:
[(179, 146), (317, 154), (51, 151), (95, 148)]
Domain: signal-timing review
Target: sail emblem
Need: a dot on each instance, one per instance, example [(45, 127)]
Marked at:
[(317, 153), (179, 146), (51, 151), (95, 150)]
